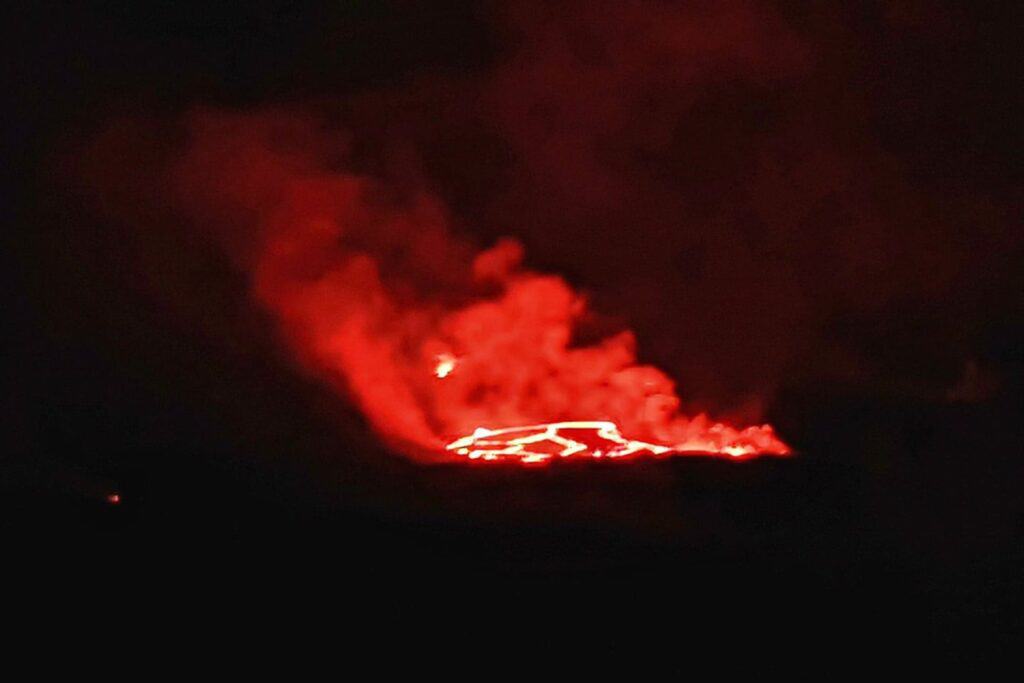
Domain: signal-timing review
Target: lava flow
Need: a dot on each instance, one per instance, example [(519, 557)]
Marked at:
[(597, 439), (587, 439)]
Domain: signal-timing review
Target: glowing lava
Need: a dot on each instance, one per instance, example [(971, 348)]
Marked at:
[(598, 439), (445, 365)]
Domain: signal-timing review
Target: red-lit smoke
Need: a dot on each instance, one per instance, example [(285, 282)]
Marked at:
[(430, 337), (713, 173)]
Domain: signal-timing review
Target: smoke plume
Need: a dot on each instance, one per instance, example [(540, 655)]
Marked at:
[(708, 175)]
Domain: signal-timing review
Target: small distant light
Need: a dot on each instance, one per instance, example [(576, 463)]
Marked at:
[(114, 498)]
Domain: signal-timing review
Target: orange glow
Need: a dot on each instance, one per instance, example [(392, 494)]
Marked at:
[(537, 444), (114, 499)]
